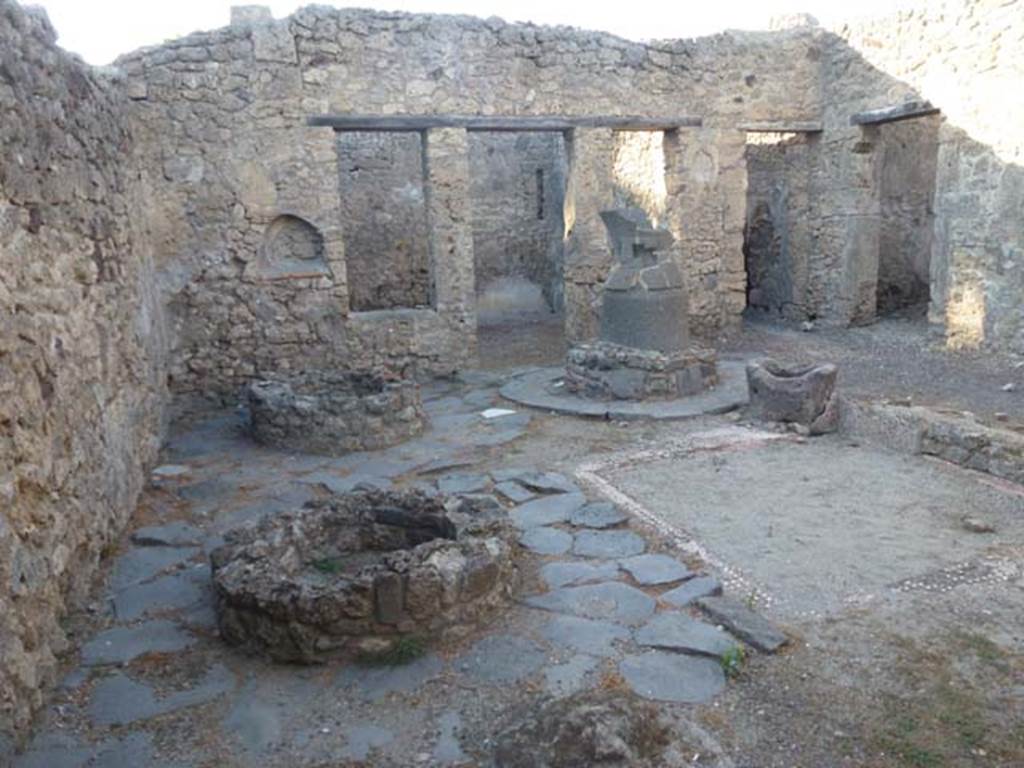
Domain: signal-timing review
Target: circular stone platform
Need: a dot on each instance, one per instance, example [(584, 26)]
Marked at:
[(543, 388), (360, 570)]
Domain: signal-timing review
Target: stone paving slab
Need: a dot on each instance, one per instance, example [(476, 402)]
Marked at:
[(463, 483), (122, 644), (566, 679), (695, 588), (674, 677), (598, 514), (611, 601), (502, 659), (374, 683), (573, 572), (748, 625), (547, 482), (679, 632), (546, 541), (119, 700), (362, 739), (141, 563), (607, 544), (174, 591), (514, 492), (447, 750), (652, 569), (547, 510), (589, 636)]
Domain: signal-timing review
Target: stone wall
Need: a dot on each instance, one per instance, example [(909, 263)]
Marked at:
[(777, 235), (223, 115), (82, 345), (962, 56), (518, 190), (384, 220)]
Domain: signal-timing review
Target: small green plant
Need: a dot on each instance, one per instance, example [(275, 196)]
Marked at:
[(327, 565), (404, 650), (732, 661), (751, 600)]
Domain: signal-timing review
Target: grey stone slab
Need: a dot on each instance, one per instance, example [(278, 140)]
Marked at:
[(119, 700), (652, 569), (695, 588), (174, 591), (362, 739), (346, 484), (547, 510), (514, 492), (546, 541), (122, 644), (598, 514), (569, 678), (607, 544), (612, 601), (572, 572), (447, 750), (129, 751), (141, 563), (547, 482), (445, 464), (54, 750), (255, 724), (678, 632), (588, 636), (374, 683), (534, 388), (463, 483), (502, 659), (675, 677), (173, 534), (748, 625)]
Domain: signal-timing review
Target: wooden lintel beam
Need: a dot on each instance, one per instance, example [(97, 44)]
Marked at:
[(905, 111), (781, 126), (499, 123)]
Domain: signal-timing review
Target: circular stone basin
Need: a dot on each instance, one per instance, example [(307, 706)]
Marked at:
[(335, 413), (359, 567)]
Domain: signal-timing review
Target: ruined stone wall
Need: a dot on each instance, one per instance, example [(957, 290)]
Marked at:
[(384, 220), (909, 154), (777, 236), (518, 189), (223, 114), (963, 56), (82, 345)]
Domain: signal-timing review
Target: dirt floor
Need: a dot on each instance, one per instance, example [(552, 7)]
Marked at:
[(919, 677)]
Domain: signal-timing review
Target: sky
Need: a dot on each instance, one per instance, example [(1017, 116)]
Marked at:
[(101, 30)]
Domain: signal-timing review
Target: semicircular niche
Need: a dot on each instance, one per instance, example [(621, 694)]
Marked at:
[(292, 247)]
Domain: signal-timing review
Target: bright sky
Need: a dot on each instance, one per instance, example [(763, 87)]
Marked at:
[(101, 30)]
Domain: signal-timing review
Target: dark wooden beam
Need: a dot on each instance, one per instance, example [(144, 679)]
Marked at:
[(500, 123), (781, 126), (906, 111)]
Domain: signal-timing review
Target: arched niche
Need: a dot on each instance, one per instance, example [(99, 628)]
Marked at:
[(292, 248)]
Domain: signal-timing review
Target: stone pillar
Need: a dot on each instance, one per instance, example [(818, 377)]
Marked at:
[(588, 253), (862, 193), (450, 232), (706, 204)]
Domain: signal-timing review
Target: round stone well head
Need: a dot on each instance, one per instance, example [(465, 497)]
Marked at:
[(345, 572), (335, 412)]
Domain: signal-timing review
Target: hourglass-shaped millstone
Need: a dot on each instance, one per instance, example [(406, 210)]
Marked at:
[(644, 303)]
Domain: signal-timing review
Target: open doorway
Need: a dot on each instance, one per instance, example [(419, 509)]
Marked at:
[(517, 190), (907, 192)]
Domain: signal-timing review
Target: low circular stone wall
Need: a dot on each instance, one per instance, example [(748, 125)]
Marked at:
[(335, 413), (360, 568), (607, 371)]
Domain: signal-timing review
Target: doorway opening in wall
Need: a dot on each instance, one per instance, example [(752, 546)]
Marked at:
[(517, 191), (384, 212), (775, 236), (907, 192)]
